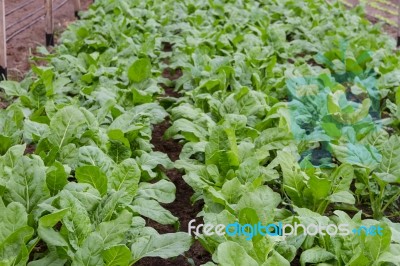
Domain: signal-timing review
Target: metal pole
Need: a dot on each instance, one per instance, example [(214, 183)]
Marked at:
[(398, 23), (49, 23), (77, 8), (3, 44)]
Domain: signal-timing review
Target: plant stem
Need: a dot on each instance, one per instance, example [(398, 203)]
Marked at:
[(391, 201)]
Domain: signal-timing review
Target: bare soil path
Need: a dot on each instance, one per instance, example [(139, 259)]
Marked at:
[(22, 13)]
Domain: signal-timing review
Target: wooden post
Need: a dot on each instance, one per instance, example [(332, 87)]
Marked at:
[(49, 23), (77, 8), (3, 44)]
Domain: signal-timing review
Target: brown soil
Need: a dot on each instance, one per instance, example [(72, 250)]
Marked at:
[(182, 206), (3, 104), (20, 47), (172, 74), (30, 149), (373, 12)]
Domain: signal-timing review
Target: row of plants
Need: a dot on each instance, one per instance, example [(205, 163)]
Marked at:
[(290, 114), (79, 180)]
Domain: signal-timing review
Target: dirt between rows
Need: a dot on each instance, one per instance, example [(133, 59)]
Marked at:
[(181, 207)]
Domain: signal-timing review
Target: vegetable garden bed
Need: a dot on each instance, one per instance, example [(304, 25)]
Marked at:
[(150, 114)]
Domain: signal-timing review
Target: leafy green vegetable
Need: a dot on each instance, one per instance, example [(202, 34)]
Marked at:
[(140, 70)]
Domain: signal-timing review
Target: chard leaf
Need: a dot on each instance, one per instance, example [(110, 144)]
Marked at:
[(356, 154), (118, 151), (14, 234), (12, 155), (249, 170), (65, 125), (342, 177), (276, 260), (77, 222), (14, 217), (232, 190), (191, 131), (113, 232), (273, 139), (12, 88), (90, 155), (140, 70), (378, 244), (315, 255), (153, 210), (318, 187), (117, 255), (35, 131), (108, 206), (149, 161), (162, 191), (94, 176), (89, 253), (56, 178), (154, 110), (28, 183), (389, 168), (342, 196), (51, 259), (231, 253), (128, 122), (88, 196), (376, 138), (391, 256), (13, 250), (164, 246), (46, 231), (293, 177), (264, 200), (126, 176)]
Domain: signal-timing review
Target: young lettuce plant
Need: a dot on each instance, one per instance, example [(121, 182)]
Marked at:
[(315, 189)]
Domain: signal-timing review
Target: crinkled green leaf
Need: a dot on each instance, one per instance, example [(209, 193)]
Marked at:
[(164, 246), (117, 255), (90, 253), (66, 125), (92, 175), (162, 191), (56, 178), (389, 168), (28, 183), (153, 210), (114, 232), (231, 253), (126, 176), (140, 70), (315, 255)]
